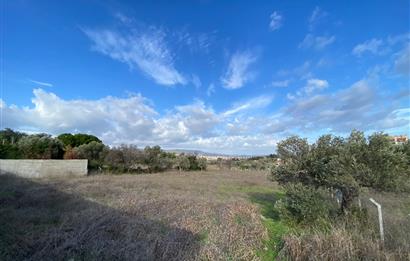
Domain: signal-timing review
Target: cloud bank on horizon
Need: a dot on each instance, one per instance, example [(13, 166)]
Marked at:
[(221, 86)]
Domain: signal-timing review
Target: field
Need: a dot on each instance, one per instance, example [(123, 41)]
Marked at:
[(202, 215), (210, 215)]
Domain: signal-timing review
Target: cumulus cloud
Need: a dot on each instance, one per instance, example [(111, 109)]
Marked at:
[(372, 46), (359, 106), (316, 42), (146, 50), (314, 85), (244, 127), (275, 21), (238, 72), (131, 119)]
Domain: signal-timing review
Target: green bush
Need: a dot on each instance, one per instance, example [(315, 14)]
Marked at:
[(304, 205)]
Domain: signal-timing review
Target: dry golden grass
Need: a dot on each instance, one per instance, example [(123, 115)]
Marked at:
[(167, 216)]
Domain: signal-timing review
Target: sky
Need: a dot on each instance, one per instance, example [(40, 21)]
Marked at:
[(232, 77)]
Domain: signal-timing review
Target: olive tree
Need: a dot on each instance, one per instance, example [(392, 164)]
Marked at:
[(40, 146)]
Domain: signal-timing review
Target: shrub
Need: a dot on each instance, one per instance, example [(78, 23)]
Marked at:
[(94, 151), (304, 205), (182, 162), (202, 163)]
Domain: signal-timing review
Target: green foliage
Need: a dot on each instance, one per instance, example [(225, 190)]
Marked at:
[(304, 205), (94, 151), (8, 136), (78, 139), (202, 163), (40, 146), (182, 162), (10, 151), (344, 164)]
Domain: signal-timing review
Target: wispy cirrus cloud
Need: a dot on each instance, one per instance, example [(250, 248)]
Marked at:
[(275, 21), (283, 83), (251, 104), (46, 84), (146, 50), (317, 15), (238, 72), (402, 62), (373, 46), (211, 90), (316, 42)]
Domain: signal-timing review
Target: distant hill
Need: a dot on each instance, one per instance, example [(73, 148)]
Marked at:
[(203, 153)]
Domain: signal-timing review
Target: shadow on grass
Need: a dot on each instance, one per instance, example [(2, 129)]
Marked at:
[(38, 222), (266, 200)]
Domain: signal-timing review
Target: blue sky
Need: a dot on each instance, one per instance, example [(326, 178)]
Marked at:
[(222, 76)]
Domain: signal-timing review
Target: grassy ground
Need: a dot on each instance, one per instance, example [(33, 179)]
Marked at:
[(212, 215)]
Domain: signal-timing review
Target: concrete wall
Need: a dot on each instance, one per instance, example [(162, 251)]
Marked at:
[(44, 168)]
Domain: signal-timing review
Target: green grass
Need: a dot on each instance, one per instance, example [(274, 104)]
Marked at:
[(265, 198), (270, 218)]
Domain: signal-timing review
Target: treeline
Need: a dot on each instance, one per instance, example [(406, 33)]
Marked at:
[(124, 158)]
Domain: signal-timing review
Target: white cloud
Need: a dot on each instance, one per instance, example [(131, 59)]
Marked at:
[(145, 50), (316, 42), (251, 104), (372, 46), (196, 81), (210, 90), (284, 83), (238, 72), (314, 85), (402, 63), (246, 127), (316, 16), (46, 84), (275, 21)]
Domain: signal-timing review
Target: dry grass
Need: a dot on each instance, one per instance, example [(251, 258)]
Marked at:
[(167, 216), (358, 240)]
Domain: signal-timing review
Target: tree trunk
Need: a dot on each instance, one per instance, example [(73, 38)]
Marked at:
[(348, 195)]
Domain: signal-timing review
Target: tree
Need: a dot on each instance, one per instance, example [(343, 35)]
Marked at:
[(78, 139), (40, 146), (94, 151), (335, 163), (8, 136)]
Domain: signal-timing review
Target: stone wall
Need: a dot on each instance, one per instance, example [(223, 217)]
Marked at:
[(44, 168)]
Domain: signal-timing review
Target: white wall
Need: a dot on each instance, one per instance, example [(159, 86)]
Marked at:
[(44, 168)]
